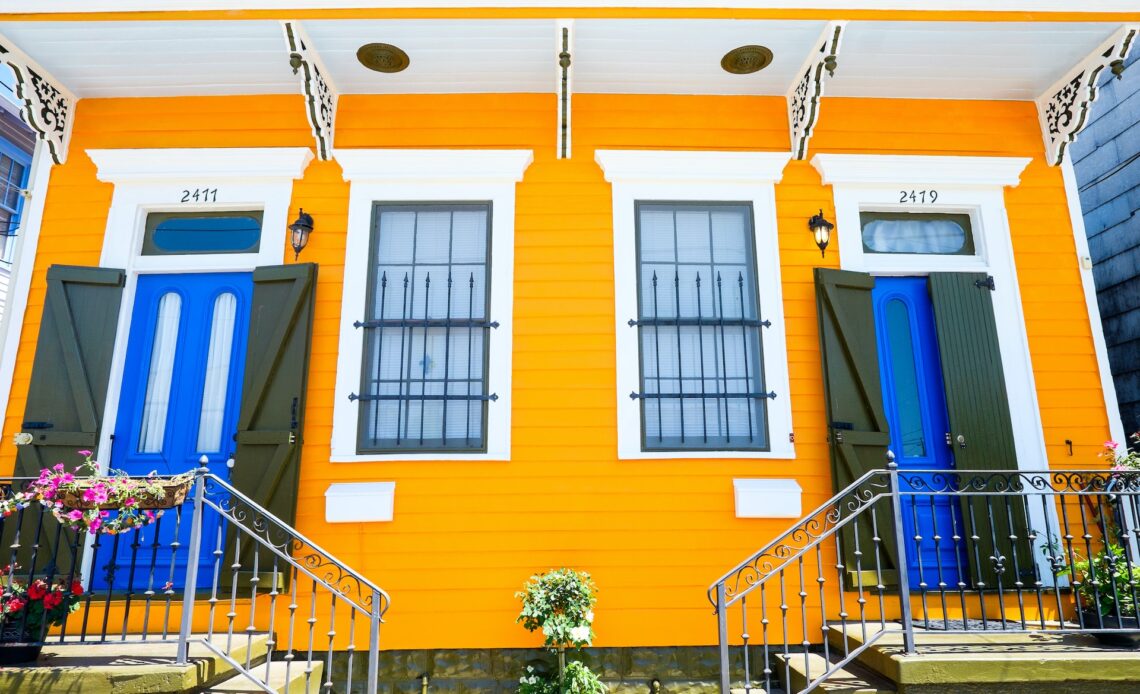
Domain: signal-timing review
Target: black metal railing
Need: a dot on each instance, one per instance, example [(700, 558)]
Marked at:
[(904, 553), (412, 389), (218, 573), (728, 389)]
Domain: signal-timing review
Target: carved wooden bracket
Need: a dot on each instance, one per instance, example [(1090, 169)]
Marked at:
[(1064, 107), (48, 105), (803, 98), (320, 96)]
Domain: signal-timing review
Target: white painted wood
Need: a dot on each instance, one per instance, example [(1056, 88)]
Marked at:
[(977, 60), (127, 58), (47, 6), (405, 175), (20, 281), (913, 59), (460, 55), (1081, 240), (748, 177), (983, 198), (360, 502), (767, 498), (918, 170), (682, 56)]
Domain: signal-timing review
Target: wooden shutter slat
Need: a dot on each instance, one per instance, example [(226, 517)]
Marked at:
[(859, 435), (978, 408)]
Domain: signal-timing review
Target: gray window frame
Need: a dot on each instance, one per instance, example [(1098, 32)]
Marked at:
[(757, 356), (373, 283), (963, 219), (153, 219)]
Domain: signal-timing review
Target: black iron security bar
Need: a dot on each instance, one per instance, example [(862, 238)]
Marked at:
[(414, 381), (720, 387)]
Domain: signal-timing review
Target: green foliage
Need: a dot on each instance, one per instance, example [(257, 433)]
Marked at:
[(578, 679), (560, 603), (1107, 581)]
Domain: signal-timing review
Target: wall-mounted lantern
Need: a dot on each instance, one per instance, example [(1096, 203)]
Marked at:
[(821, 231), (300, 230)]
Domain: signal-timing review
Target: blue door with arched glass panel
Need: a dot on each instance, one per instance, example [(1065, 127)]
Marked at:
[(915, 402), (179, 401)]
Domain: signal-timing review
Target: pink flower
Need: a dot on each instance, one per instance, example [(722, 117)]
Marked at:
[(85, 454), (130, 501), (75, 515), (67, 478), (95, 494), (149, 514), (14, 605), (58, 467), (1111, 445)]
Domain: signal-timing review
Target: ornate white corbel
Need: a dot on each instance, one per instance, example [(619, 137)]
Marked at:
[(320, 95), (803, 97), (563, 84), (48, 105), (1064, 107)]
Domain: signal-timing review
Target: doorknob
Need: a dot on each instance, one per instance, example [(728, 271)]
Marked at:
[(961, 441)]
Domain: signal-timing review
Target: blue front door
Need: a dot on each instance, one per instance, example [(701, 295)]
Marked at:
[(915, 403), (179, 401)]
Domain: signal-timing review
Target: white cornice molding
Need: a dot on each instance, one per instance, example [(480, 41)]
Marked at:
[(154, 165), (435, 165), (626, 165), (911, 170), (1064, 107)]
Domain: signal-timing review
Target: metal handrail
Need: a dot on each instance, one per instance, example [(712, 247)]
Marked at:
[(1009, 542)]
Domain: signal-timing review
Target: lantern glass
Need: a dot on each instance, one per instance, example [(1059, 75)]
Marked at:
[(300, 230)]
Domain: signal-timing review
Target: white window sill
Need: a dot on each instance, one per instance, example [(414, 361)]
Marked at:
[(398, 457), (787, 452)]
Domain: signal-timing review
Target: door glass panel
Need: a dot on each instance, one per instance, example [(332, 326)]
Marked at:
[(157, 401), (905, 379), (217, 374)]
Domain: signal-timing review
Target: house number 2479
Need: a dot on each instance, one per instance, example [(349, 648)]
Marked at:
[(200, 195), (919, 196)]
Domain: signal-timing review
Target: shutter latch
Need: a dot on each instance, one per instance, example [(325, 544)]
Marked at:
[(987, 283)]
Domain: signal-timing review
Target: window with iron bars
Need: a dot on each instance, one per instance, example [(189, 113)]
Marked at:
[(424, 376), (699, 325)]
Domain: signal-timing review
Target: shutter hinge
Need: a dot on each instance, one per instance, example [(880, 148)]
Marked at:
[(987, 283), (292, 438)]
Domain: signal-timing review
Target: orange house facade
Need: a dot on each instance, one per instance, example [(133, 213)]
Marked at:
[(552, 313)]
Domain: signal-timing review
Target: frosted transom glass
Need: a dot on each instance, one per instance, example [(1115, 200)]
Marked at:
[(424, 373), (699, 324), (156, 403), (916, 232), (216, 384)]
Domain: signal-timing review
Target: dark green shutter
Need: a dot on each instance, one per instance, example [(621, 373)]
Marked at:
[(64, 409), (981, 430), (858, 433), (267, 461)]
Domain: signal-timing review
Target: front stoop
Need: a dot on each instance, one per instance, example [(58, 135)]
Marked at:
[(126, 668), (1012, 663), (292, 680), (851, 679)]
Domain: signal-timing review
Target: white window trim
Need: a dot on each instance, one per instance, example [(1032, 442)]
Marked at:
[(671, 176), (965, 184), (406, 175)]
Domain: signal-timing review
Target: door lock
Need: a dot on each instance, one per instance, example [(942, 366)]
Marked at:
[(961, 441)]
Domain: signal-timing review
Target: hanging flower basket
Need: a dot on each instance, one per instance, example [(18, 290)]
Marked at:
[(87, 501)]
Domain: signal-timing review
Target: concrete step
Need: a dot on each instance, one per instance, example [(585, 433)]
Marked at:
[(125, 667), (1036, 662), (296, 681), (851, 679)]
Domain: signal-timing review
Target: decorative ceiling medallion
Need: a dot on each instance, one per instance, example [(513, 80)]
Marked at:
[(382, 57), (746, 60)]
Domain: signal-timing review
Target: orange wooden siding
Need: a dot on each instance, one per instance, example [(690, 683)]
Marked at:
[(653, 532)]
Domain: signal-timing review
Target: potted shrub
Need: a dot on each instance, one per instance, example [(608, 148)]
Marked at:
[(560, 604), (29, 610), (1105, 596), (86, 500)]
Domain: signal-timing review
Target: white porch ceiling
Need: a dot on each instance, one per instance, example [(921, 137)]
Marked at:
[(951, 60)]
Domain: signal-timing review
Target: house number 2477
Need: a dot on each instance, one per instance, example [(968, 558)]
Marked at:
[(200, 195), (919, 196)]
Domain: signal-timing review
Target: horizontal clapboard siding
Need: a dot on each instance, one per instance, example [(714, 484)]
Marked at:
[(654, 533), (1106, 158)]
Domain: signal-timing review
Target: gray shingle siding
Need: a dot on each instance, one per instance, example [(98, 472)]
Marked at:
[(1106, 157)]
